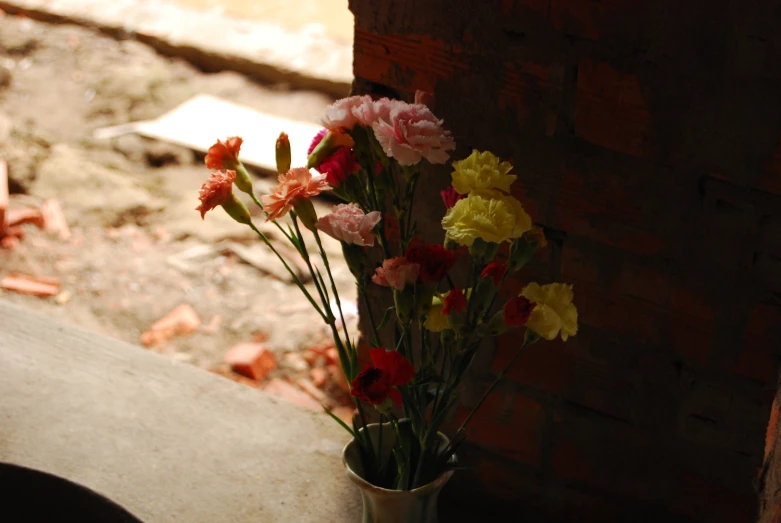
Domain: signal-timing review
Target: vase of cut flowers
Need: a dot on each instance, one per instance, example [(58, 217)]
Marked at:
[(371, 154)]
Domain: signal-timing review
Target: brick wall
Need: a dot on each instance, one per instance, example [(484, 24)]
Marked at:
[(647, 139)]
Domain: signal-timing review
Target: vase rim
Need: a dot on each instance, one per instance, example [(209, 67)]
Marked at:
[(356, 478)]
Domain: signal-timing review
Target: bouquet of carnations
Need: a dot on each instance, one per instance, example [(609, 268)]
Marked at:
[(371, 154)]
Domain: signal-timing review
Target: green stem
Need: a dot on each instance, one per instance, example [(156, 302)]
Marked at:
[(305, 255), (350, 346), (295, 277), (365, 296)]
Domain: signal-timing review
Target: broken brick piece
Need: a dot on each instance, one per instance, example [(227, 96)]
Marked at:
[(181, 321), (22, 216), (252, 360), (54, 219), (319, 376), (42, 287), (290, 393), (9, 242), (3, 192), (332, 355)]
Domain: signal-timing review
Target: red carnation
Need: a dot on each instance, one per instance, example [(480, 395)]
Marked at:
[(434, 261), (379, 381), (450, 196), (495, 271), (516, 312), (455, 301), (338, 166), (225, 155)]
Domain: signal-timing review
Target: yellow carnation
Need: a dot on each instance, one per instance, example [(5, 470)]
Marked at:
[(490, 215), (554, 313), (436, 321), (480, 171)]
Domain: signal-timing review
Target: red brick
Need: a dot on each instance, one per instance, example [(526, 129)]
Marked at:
[(252, 360), (547, 366), (689, 338), (290, 393), (425, 60), (507, 424), (690, 302), (704, 499), (609, 456), (533, 92), (590, 20), (496, 481), (770, 180), (758, 359), (610, 109)]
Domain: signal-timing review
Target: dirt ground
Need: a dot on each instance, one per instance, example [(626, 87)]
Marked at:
[(138, 249)]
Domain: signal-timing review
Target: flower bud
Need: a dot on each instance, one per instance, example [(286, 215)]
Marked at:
[(424, 293), (355, 258), (283, 153), (482, 251), (496, 325), (243, 181), (447, 337), (404, 301), (306, 213), (523, 248), (482, 297)]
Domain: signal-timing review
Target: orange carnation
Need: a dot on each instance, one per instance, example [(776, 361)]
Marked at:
[(224, 155), (294, 185), (215, 191)]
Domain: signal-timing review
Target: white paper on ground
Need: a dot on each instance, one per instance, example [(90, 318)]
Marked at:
[(200, 121)]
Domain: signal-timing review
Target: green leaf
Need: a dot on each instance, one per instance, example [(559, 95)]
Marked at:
[(339, 421), (385, 318)]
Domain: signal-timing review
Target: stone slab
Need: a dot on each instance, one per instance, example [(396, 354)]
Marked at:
[(263, 50), (167, 441)]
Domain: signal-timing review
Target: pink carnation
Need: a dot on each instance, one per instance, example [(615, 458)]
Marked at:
[(371, 111), (339, 115), (348, 223), (293, 185), (411, 133), (396, 273)]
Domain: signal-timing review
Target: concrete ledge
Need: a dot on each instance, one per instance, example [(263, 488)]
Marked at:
[(169, 442), (263, 51)]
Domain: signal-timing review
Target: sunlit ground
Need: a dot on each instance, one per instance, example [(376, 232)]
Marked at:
[(333, 15)]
